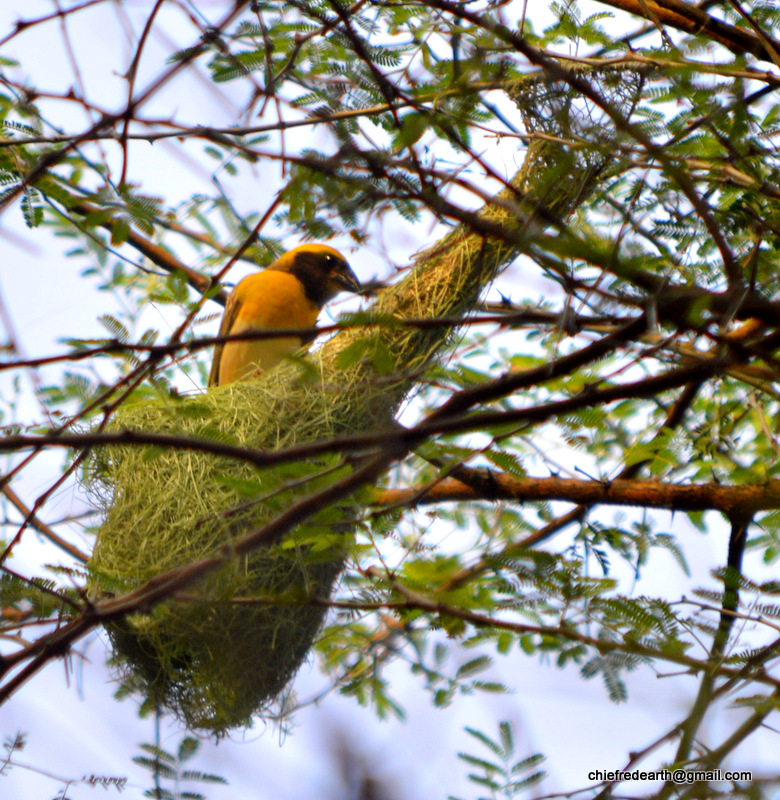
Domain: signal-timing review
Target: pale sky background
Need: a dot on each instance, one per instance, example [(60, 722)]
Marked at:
[(74, 727)]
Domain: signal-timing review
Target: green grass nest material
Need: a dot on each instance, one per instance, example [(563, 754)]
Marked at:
[(214, 661)]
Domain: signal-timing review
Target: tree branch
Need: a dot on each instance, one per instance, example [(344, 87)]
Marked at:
[(493, 486)]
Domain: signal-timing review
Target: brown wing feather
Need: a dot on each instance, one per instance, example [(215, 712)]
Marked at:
[(232, 307)]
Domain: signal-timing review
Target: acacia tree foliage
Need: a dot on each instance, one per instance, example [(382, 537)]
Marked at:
[(649, 365)]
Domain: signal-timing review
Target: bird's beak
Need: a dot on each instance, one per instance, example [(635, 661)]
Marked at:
[(346, 279)]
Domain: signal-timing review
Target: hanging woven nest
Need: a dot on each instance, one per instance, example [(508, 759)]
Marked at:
[(223, 650)]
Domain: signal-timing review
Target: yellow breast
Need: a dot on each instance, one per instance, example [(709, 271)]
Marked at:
[(268, 300)]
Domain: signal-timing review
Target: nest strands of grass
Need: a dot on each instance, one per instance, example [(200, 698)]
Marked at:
[(224, 650)]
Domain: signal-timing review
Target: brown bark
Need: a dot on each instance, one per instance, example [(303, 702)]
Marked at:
[(734, 500)]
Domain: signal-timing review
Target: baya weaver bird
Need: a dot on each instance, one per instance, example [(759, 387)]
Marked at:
[(287, 295)]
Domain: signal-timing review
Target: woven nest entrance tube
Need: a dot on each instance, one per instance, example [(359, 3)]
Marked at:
[(226, 648)]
